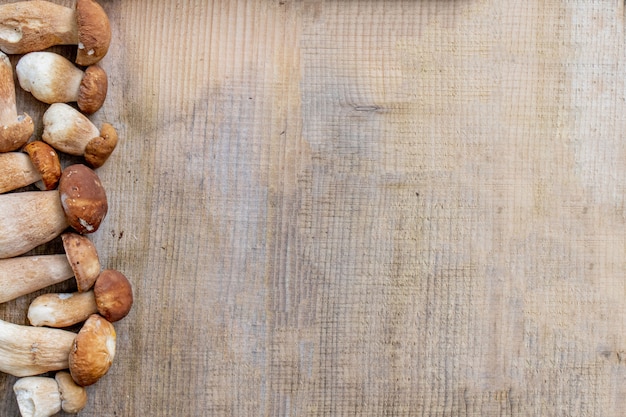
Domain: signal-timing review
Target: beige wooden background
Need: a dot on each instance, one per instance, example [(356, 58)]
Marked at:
[(364, 208)]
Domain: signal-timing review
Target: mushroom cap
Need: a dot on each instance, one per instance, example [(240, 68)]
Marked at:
[(101, 147), (114, 295), (93, 351), (46, 161), (73, 397), (93, 89), (94, 32), (15, 135), (83, 198), (83, 258)]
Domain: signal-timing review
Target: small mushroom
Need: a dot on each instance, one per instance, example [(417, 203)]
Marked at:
[(14, 130), (40, 165), (39, 396), (93, 351), (28, 351), (68, 130), (26, 274), (33, 218), (112, 297), (29, 26), (53, 79)]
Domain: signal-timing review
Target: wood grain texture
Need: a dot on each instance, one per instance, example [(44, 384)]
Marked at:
[(342, 208)]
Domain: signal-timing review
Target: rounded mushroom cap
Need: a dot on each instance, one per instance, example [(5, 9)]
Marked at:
[(83, 258), (114, 295), (14, 136), (94, 32), (46, 161), (101, 147), (93, 90), (93, 351), (83, 198), (73, 397)]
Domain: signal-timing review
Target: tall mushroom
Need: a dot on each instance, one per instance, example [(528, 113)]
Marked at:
[(39, 164), (111, 296), (53, 79), (29, 26), (69, 131), (33, 218), (27, 350), (26, 274), (14, 130)]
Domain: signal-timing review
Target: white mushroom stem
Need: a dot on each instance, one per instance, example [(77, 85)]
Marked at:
[(16, 171), (8, 111), (26, 274), (62, 310), (35, 25), (28, 351), (68, 130), (29, 219), (37, 396), (49, 77)]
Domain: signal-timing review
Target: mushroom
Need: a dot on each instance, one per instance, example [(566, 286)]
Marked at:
[(112, 297), (39, 396), (68, 130), (14, 130), (40, 164), (29, 26), (28, 351), (26, 274), (93, 350), (33, 218), (51, 78)]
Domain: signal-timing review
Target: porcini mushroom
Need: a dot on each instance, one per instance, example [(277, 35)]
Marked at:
[(111, 296), (28, 351), (40, 165), (51, 78), (14, 130), (29, 26), (68, 130), (93, 350), (39, 396), (33, 218), (26, 274)]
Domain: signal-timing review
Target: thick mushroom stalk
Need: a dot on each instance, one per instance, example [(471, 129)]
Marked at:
[(39, 396), (26, 274), (51, 78), (112, 297), (39, 164), (28, 351), (33, 218), (14, 130), (69, 131), (29, 26)]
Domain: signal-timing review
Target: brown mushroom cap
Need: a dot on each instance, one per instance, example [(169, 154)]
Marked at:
[(114, 295), (93, 89), (93, 351), (14, 136), (46, 161), (83, 198), (94, 32), (100, 148), (83, 258)]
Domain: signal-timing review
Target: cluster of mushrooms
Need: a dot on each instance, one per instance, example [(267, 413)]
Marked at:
[(70, 202)]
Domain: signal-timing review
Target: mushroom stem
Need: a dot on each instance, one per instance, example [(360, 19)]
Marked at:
[(29, 219), (27, 351), (14, 130), (36, 25), (16, 171), (39, 396), (62, 310), (26, 274)]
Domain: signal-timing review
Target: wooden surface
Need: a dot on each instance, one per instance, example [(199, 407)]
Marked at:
[(342, 208)]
